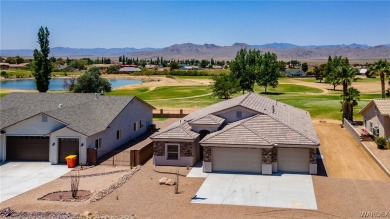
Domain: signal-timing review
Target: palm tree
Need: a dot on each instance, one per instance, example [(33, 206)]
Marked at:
[(381, 67), (350, 100), (346, 74)]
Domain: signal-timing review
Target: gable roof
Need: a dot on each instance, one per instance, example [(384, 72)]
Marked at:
[(258, 130), (210, 119), (383, 106), (295, 119), (83, 113)]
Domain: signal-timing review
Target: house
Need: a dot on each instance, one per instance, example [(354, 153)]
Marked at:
[(18, 66), (50, 126), (294, 72), (4, 66), (129, 70), (249, 133), (66, 68), (102, 67), (376, 115), (151, 67)]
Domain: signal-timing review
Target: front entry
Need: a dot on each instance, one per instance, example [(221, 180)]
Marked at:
[(67, 146), (202, 134)]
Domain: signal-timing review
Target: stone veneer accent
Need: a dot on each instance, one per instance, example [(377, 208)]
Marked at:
[(313, 156), (266, 155), (186, 149), (206, 154), (159, 148)]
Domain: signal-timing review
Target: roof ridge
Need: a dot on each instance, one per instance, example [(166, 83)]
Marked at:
[(186, 131), (249, 94), (292, 128)]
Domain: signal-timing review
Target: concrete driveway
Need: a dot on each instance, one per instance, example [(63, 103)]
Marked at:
[(19, 177), (281, 191)]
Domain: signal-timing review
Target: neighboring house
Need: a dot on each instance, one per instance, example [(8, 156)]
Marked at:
[(362, 71), (294, 73), (151, 67), (102, 67), (18, 66), (4, 66), (48, 126), (249, 133), (188, 67), (376, 115), (66, 68), (129, 70)]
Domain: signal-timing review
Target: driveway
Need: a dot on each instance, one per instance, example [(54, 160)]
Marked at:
[(19, 177), (280, 191)]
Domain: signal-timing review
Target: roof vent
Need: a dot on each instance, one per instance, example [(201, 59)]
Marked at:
[(96, 96), (60, 105), (273, 109)]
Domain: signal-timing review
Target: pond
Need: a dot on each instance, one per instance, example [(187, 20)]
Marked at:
[(57, 83)]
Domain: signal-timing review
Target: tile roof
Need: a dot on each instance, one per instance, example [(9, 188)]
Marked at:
[(383, 106), (210, 119), (258, 130), (289, 117), (83, 113), (181, 131)]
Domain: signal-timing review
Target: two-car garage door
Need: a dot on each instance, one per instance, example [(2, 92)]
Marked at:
[(243, 160), (27, 148)]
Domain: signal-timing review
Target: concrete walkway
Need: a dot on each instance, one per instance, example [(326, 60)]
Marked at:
[(279, 191), (19, 177)]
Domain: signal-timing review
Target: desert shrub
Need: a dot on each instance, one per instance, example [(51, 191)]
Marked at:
[(169, 76), (381, 143), (4, 74)]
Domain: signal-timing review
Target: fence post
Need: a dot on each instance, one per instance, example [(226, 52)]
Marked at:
[(161, 112), (181, 111)]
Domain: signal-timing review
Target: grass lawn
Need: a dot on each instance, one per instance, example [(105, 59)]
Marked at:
[(28, 74), (164, 92), (2, 94), (159, 119), (193, 77), (287, 88)]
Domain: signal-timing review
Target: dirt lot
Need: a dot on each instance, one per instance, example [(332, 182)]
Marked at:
[(343, 157)]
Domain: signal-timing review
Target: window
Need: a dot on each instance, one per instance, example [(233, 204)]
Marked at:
[(172, 152), (239, 114), (140, 124), (371, 127), (119, 134), (365, 123), (44, 118), (98, 143), (135, 126), (375, 131)]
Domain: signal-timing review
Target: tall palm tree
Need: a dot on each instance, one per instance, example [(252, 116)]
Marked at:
[(346, 74), (381, 67), (350, 100)]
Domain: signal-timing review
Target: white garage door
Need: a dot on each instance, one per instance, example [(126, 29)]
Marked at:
[(236, 160), (293, 160)]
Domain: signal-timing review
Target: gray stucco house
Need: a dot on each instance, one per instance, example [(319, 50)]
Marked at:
[(376, 116), (249, 133), (49, 126)]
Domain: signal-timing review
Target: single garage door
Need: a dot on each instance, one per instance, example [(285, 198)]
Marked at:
[(27, 148), (293, 160), (236, 160), (67, 146)]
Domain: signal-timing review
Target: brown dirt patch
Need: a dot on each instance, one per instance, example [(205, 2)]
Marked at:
[(344, 157), (66, 196)]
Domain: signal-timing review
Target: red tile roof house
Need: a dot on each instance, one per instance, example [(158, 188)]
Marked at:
[(49, 126), (376, 116), (249, 134)]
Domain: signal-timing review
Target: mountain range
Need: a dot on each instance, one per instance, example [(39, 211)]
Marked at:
[(208, 51)]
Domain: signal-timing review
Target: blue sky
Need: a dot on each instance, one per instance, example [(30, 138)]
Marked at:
[(108, 24)]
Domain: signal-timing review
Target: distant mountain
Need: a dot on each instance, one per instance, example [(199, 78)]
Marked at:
[(208, 51)]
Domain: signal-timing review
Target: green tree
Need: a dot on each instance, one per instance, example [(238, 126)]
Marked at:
[(318, 72), (92, 82), (305, 67), (330, 67), (244, 67), (382, 68), (173, 65), (41, 64), (350, 100), (225, 86), (269, 71), (113, 69), (346, 75)]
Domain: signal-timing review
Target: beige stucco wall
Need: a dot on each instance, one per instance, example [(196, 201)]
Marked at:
[(372, 115)]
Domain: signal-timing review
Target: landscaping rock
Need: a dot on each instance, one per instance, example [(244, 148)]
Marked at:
[(163, 180), (87, 214), (170, 182)]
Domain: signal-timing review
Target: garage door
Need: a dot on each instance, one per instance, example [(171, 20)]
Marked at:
[(27, 148), (293, 160), (67, 146), (236, 160)]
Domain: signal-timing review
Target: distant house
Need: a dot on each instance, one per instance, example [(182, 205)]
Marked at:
[(66, 68), (376, 116), (362, 71), (217, 67), (151, 67), (249, 133), (18, 66), (102, 67), (49, 126), (294, 73), (189, 67), (129, 70), (4, 66)]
